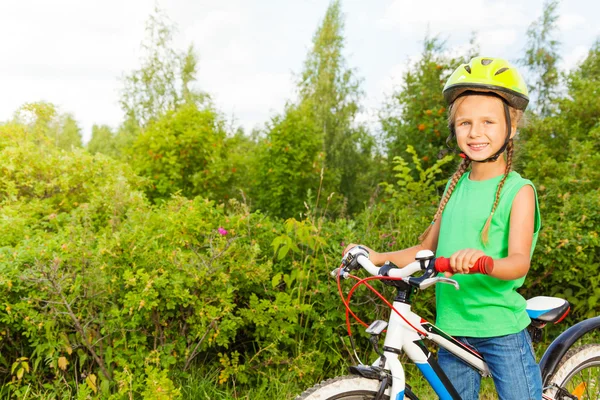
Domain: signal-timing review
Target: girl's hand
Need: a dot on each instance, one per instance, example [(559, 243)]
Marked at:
[(462, 260), (373, 255), (351, 245)]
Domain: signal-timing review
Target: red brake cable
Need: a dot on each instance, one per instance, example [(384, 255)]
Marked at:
[(348, 310), (363, 282)]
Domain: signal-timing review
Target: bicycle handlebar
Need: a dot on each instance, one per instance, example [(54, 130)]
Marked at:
[(483, 265)]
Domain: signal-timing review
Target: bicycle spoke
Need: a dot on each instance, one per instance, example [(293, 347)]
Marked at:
[(584, 383)]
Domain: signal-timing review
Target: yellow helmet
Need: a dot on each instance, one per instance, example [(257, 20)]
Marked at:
[(488, 74)]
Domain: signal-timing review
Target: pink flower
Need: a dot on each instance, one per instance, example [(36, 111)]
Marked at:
[(222, 231)]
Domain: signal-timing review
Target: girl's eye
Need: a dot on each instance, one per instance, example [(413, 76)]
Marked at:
[(464, 123), (488, 122)]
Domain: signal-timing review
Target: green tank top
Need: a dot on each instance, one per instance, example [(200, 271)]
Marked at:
[(484, 306)]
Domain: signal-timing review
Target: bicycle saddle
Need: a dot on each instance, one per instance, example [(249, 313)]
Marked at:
[(547, 309)]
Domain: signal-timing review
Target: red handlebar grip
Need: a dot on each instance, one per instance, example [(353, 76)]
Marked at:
[(483, 265)]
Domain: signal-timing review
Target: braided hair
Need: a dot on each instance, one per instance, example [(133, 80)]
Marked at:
[(509, 159)]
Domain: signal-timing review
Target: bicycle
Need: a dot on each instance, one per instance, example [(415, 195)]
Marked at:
[(563, 368)]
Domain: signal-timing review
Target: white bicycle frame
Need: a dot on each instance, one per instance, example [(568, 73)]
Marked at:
[(401, 337)]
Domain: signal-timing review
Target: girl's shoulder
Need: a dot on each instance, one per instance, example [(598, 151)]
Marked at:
[(514, 181)]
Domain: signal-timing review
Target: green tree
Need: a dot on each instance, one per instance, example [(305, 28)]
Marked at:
[(581, 109), (541, 57), (38, 120), (67, 132), (183, 151), (103, 141), (163, 80), (329, 90), (289, 163), (44, 125), (416, 114), (560, 153), (242, 152)]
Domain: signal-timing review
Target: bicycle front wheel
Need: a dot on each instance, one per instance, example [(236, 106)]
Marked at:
[(350, 387), (578, 374)]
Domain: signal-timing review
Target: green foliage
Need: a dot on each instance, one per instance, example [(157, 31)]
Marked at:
[(330, 93), (290, 160), (416, 114), (37, 119), (68, 133), (163, 81), (103, 141), (409, 191), (541, 57), (561, 156), (41, 123), (100, 287), (579, 109), (101, 279), (242, 152), (183, 151)]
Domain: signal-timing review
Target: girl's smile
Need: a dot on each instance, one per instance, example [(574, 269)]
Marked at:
[(477, 146)]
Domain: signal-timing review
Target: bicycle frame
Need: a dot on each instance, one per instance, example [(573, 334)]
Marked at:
[(401, 337)]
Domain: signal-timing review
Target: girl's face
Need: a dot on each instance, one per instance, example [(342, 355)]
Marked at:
[(480, 126)]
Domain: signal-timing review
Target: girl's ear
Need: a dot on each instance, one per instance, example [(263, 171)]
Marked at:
[(513, 131)]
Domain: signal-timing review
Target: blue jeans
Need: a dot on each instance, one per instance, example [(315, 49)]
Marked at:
[(511, 361)]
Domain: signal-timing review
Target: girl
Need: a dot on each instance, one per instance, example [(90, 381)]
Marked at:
[(486, 209)]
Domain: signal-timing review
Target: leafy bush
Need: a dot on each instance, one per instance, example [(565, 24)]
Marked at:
[(560, 154), (183, 151), (108, 295)]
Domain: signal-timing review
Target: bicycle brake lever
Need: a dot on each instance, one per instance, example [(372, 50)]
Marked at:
[(344, 274), (449, 281), (432, 281)]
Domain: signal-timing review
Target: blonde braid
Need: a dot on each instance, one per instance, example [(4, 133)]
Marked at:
[(509, 159), (462, 168)]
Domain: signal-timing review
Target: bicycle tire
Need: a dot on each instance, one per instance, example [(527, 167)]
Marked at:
[(348, 387), (574, 371)]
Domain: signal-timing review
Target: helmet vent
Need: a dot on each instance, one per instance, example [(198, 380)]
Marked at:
[(468, 68), (501, 70), (486, 61)]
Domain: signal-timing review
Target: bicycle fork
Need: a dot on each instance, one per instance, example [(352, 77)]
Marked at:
[(401, 337)]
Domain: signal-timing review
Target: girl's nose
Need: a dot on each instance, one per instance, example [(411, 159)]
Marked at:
[(476, 130)]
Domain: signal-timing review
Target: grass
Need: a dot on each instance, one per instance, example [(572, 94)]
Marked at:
[(202, 383)]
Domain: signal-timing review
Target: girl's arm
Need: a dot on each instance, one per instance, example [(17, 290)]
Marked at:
[(520, 238), (403, 257)]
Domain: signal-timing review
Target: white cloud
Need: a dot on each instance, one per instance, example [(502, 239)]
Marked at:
[(393, 79), (451, 16), (249, 95), (574, 57), (230, 67), (70, 53), (566, 22), (492, 41)]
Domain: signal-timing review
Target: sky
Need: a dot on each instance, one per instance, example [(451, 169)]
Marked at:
[(74, 53)]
